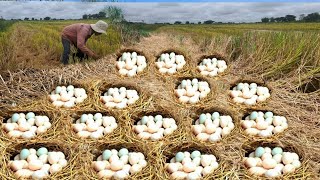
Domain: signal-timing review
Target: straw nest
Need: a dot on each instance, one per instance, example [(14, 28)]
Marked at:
[(52, 133), (219, 56), (259, 82), (20, 92), (13, 149), (140, 53), (257, 138)]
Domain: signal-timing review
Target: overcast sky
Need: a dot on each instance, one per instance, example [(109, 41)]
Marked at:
[(161, 12)]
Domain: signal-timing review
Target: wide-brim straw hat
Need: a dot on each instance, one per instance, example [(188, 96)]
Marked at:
[(100, 27)]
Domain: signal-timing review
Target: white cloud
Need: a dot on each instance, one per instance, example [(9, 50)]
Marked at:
[(159, 12)]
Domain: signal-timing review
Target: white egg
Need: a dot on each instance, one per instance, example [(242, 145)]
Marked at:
[(279, 167), (35, 165), (207, 170), (197, 129), (295, 156), (55, 168), (272, 173), (43, 158), (16, 165), (214, 137), (252, 131), (10, 126), (63, 162), (249, 102), (114, 157), (78, 127), (251, 162), (53, 158), (121, 64), (153, 128), (28, 135), (99, 165), (116, 165), (277, 157), (41, 129), (205, 73), (83, 134), (225, 131), (143, 163), (239, 100), (184, 99), (269, 163), (287, 158), (194, 176), (203, 136), (14, 134), (123, 72), (92, 127), (120, 175), (135, 168), (296, 163), (144, 135), (205, 161), (96, 134), (23, 173), (106, 174), (259, 171), (39, 174), (179, 175)]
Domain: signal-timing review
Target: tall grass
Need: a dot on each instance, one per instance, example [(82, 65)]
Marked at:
[(40, 43), (275, 51)]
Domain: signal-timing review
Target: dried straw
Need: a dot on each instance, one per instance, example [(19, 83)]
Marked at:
[(20, 92)]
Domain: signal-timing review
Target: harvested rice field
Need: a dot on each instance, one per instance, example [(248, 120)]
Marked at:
[(212, 106)]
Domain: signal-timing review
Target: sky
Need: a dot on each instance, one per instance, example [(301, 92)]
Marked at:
[(161, 12)]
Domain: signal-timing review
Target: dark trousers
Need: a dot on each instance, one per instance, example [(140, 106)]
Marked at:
[(66, 51)]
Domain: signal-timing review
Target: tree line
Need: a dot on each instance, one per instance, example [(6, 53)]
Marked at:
[(312, 17), (204, 22)]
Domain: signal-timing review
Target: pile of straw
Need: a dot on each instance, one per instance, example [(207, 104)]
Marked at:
[(27, 90)]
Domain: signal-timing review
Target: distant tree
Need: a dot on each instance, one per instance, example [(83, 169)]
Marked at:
[(187, 22), (46, 18), (265, 20), (208, 22), (313, 17), (26, 19), (40, 19), (199, 22), (177, 22), (32, 19), (102, 14), (290, 18), (280, 19), (271, 19), (85, 16), (115, 14), (301, 17)]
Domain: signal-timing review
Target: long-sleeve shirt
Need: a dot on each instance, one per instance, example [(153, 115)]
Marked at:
[(78, 34)]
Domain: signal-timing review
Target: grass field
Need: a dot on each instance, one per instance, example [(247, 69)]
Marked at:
[(286, 57), (34, 44)]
